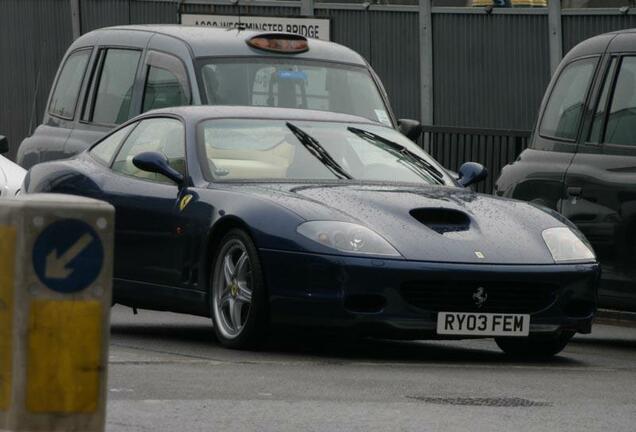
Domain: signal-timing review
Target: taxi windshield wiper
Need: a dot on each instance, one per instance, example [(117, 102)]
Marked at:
[(318, 151), (404, 154)]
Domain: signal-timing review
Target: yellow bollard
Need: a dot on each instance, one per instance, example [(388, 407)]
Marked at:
[(55, 294)]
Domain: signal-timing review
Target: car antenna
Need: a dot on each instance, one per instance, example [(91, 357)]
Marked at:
[(35, 93), (240, 26)]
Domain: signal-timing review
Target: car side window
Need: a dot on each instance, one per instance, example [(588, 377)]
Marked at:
[(64, 98), (596, 131), (162, 135), (114, 91), (105, 150), (166, 82), (622, 113), (564, 110)]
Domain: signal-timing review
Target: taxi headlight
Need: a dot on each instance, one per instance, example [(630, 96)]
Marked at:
[(565, 245), (347, 237)]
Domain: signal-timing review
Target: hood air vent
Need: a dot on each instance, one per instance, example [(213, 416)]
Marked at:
[(442, 220)]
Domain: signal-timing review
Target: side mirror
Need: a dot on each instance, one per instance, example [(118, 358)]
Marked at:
[(4, 144), (157, 163), (471, 173), (411, 128)]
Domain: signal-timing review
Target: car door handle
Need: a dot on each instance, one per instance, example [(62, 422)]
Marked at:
[(574, 193)]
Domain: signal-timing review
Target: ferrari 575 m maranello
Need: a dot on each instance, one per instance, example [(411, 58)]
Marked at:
[(260, 216)]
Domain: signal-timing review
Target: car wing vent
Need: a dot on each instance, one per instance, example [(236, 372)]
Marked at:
[(442, 220)]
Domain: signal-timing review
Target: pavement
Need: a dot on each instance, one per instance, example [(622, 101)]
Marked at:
[(615, 317), (168, 373)]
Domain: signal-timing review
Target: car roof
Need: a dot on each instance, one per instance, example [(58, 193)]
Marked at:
[(205, 112), (600, 43), (227, 42)]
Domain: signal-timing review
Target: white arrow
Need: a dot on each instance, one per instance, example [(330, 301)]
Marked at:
[(56, 265)]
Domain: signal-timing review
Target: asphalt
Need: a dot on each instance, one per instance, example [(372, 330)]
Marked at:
[(167, 373)]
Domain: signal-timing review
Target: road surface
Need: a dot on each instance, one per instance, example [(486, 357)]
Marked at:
[(167, 373)]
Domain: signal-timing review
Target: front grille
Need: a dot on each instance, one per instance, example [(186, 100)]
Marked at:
[(458, 296)]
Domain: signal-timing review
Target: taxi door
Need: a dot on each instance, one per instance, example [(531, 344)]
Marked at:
[(600, 185)]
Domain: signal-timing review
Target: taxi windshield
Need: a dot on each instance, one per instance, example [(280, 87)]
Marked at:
[(249, 149), (294, 83)]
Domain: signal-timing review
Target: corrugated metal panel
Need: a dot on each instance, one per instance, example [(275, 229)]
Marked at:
[(577, 28), (490, 71), (103, 13), (389, 42), (349, 28), (395, 57), (234, 10), (157, 12), (34, 39)]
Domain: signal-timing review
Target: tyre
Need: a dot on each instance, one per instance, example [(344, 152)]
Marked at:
[(238, 299), (534, 346)]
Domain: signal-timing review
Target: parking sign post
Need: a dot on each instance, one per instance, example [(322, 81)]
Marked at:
[(55, 296)]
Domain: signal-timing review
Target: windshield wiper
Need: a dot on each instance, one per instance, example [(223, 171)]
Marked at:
[(404, 154), (318, 151)]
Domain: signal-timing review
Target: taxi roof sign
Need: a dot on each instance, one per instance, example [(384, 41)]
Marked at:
[(279, 42)]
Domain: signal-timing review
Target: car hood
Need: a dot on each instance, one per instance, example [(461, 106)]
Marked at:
[(427, 223)]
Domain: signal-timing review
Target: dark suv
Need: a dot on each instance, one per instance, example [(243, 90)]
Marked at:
[(110, 75), (582, 157)]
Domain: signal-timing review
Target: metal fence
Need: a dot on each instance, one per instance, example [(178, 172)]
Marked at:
[(494, 149), (468, 68)]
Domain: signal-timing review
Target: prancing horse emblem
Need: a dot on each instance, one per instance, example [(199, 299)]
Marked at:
[(480, 297)]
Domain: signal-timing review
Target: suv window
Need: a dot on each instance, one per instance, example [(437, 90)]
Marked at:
[(166, 83), (68, 85), (564, 110), (622, 114), (163, 135), (105, 150), (114, 92)]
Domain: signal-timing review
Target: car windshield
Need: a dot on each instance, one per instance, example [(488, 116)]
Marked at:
[(248, 149), (293, 84)]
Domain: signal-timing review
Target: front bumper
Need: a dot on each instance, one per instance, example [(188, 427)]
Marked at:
[(367, 294)]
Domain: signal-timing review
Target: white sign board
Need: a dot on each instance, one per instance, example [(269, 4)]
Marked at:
[(308, 27)]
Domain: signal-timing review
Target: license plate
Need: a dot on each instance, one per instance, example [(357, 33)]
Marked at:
[(482, 324)]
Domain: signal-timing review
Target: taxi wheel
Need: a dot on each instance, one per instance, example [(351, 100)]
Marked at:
[(534, 346), (238, 299)]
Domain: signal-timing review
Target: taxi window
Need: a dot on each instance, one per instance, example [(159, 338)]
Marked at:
[(114, 91), (68, 85), (596, 130), (166, 82), (564, 110), (294, 84), (622, 114)]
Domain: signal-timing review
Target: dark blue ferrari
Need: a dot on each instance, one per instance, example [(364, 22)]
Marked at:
[(260, 216)]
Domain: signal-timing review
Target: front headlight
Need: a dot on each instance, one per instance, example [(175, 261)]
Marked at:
[(347, 237), (565, 245)]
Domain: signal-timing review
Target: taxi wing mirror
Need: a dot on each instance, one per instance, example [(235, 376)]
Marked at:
[(412, 129)]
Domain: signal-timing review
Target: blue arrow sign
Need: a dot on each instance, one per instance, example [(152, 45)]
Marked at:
[(68, 256)]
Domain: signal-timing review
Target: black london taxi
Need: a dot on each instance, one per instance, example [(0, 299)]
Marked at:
[(582, 157), (113, 74)]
